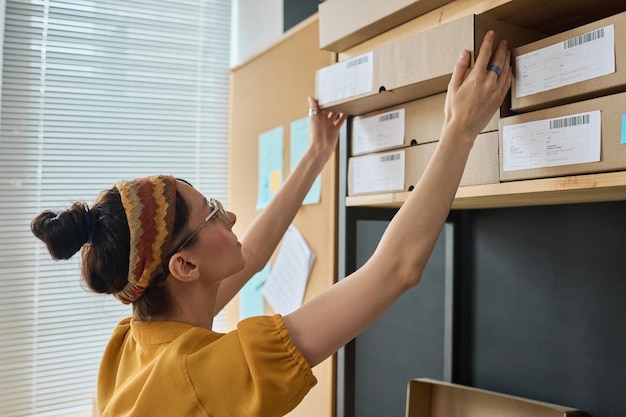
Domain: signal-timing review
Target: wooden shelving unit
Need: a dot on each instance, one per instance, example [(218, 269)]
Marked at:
[(561, 190), (500, 277)]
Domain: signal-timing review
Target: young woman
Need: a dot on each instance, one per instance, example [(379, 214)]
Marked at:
[(159, 244)]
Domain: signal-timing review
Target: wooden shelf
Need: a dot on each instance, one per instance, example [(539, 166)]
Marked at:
[(561, 190)]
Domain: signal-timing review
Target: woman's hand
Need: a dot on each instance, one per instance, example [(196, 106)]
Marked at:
[(266, 231), (323, 129), (473, 97)]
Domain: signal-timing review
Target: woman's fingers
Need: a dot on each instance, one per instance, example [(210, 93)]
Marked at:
[(474, 96), (485, 50), (336, 118), (460, 69), (504, 80)]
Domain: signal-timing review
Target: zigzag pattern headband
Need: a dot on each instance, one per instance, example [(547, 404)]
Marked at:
[(150, 207)]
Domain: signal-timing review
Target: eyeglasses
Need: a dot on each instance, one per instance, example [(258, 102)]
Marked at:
[(217, 210)]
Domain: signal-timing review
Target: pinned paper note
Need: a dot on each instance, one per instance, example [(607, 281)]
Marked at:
[(251, 302), (285, 287), (299, 134), (270, 165), (275, 180)]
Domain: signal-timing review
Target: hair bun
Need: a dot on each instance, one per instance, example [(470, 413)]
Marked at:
[(64, 232)]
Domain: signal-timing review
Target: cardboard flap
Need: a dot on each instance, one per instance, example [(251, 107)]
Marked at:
[(431, 398)]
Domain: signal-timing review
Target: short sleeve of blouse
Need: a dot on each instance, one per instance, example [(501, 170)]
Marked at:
[(252, 371)]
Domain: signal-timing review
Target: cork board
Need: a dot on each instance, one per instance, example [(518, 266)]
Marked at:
[(268, 91)]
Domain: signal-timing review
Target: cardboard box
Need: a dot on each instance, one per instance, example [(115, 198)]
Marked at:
[(345, 23), (583, 63), (431, 398), (413, 123), (578, 138), (408, 124), (408, 69), (549, 19), (399, 170), (376, 173), (483, 163)]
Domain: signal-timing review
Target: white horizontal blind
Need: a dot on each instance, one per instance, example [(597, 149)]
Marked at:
[(93, 91)]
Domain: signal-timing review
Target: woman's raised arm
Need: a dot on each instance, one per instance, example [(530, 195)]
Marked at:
[(263, 235), (332, 319)]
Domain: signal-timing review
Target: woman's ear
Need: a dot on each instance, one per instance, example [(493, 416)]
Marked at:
[(183, 268)]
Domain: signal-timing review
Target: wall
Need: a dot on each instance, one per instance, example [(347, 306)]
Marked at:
[(258, 24), (255, 25), (543, 311)]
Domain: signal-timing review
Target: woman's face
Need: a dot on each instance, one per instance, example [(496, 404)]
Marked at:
[(216, 246)]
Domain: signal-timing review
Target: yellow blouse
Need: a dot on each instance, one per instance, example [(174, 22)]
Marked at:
[(176, 369)]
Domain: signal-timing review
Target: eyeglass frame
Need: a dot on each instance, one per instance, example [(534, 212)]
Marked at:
[(217, 208)]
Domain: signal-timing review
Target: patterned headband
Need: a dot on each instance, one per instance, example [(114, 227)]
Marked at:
[(150, 206)]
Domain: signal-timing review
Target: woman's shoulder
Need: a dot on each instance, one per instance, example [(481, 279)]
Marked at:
[(257, 361)]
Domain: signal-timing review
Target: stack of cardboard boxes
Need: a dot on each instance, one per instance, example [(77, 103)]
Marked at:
[(568, 91), (396, 91)]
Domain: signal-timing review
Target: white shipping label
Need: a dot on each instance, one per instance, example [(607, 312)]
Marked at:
[(382, 131), (346, 79), (573, 139), (577, 59), (378, 172)]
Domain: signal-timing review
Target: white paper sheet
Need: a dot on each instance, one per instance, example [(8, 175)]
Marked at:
[(378, 172), (285, 287), (382, 131), (346, 79), (573, 139), (577, 59)]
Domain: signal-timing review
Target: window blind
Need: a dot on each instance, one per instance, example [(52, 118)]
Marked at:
[(92, 92)]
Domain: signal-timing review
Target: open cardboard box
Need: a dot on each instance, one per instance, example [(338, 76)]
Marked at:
[(431, 398)]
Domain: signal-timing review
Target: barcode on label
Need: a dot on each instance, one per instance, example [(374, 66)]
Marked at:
[(389, 116), (569, 121), (389, 158), (357, 61), (587, 37)]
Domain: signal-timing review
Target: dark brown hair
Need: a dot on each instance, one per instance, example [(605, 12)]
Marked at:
[(103, 234)]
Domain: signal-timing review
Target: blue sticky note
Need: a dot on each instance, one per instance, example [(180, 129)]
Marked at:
[(251, 302), (623, 135), (299, 134), (270, 165)]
